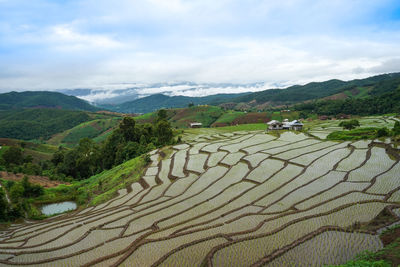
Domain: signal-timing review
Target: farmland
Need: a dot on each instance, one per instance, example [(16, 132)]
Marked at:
[(229, 198)]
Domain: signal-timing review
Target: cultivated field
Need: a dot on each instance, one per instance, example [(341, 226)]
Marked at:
[(228, 199)]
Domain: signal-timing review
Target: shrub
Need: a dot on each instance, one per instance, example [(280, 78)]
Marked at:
[(382, 132), (348, 125)]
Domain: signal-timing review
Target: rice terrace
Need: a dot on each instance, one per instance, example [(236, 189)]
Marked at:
[(242, 198)]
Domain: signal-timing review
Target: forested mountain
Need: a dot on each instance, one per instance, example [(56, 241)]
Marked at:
[(383, 97), (158, 101), (315, 90), (42, 99)]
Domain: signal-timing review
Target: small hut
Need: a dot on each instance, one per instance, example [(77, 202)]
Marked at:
[(195, 125), (275, 125), (296, 125)]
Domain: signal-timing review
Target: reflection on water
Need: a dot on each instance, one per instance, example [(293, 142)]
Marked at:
[(55, 208)]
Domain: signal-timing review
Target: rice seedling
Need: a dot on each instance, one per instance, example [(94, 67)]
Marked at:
[(328, 248), (196, 162), (385, 182), (377, 163), (178, 163), (232, 158), (255, 159), (265, 170)]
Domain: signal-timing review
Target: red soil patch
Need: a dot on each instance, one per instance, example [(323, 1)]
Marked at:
[(34, 179), (355, 91), (256, 117), (96, 126), (336, 96)]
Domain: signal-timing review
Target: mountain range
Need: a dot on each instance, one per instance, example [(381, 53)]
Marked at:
[(260, 100)]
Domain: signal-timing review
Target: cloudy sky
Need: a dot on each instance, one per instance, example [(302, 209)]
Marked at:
[(55, 44)]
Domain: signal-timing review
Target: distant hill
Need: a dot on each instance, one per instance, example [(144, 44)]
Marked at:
[(318, 90), (158, 101), (43, 99), (28, 124)]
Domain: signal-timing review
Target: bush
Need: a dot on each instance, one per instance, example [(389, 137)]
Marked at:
[(382, 132), (349, 125)]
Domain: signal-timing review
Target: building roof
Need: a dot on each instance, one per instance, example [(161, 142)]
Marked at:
[(196, 124), (295, 123), (274, 122)]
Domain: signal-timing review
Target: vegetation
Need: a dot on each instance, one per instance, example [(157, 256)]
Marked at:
[(383, 98), (362, 133), (349, 125), (128, 141), (314, 90), (96, 129), (21, 195), (158, 101), (98, 188)]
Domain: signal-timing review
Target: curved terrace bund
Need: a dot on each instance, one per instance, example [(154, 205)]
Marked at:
[(234, 199)]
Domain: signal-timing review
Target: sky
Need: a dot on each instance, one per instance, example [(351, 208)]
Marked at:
[(50, 44)]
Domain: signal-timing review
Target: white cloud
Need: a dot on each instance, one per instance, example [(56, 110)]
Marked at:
[(66, 38), (96, 43)]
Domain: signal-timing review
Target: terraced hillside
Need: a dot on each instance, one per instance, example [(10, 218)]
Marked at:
[(231, 199)]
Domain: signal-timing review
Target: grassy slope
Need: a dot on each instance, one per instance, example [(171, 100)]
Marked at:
[(228, 117), (99, 188), (98, 129)]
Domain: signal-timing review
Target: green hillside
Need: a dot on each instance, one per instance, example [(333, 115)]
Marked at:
[(96, 129), (16, 100), (158, 101), (382, 98), (316, 90), (28, 124)]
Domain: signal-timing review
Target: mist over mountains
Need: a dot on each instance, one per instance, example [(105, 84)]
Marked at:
[(119, 93)]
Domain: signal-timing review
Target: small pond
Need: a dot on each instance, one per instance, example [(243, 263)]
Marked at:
[(55, 208)]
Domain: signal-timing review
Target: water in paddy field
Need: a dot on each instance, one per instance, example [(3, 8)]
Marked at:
[(55, 208)]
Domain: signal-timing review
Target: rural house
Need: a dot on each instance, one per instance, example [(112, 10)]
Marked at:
[(196, 125), (285, 125), (296, 125), (275, 125)]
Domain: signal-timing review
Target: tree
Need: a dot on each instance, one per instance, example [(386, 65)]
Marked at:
[(164, 132), (13, 155), (3, 205), (190, 104), (161, 115), (127, 127), (381, 132), (396, 128), (348, 125)]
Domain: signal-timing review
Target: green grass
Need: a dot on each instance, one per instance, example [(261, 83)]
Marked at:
[(3, 149), (229, 116), (146, 117), (244, 127), (363, 92)]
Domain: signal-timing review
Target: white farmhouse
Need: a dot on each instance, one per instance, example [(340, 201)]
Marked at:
[(275, 125)]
